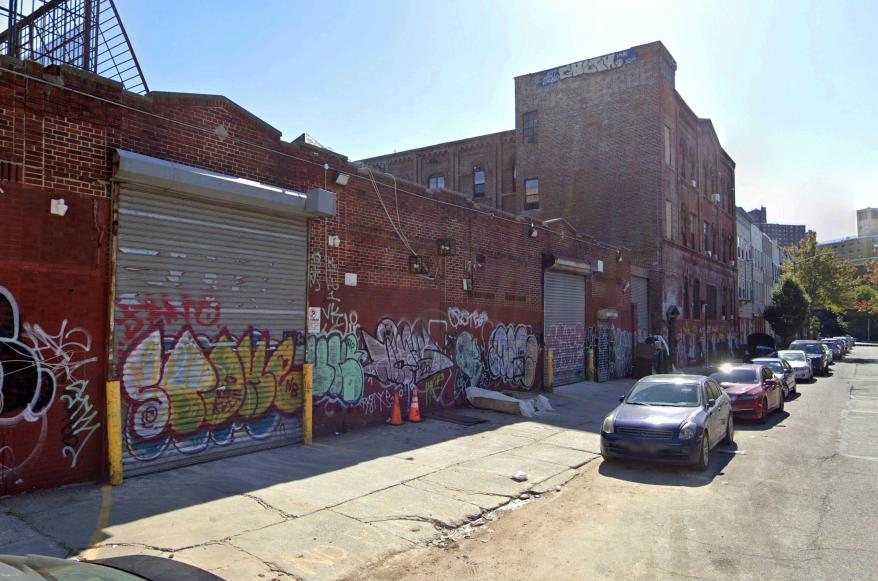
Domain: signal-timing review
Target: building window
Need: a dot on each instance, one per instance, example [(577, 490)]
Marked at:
[(531, 194), (514, 176), (478, 182), (436, 181), (669, 220), (530, 126), (706, 240), (668, 146), (696, 299), (711, 302)]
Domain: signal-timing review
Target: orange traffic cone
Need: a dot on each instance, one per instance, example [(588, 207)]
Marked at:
[(395, 414), (414, 409)]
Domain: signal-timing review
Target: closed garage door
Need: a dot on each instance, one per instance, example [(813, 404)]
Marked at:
[(564, 324), (209, 323), (640, 298)]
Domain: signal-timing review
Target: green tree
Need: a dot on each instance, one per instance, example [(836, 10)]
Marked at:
[(789, 309), (867, 291), (829, 283)]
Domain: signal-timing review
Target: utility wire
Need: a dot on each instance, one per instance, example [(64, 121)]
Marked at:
[(584, 238)]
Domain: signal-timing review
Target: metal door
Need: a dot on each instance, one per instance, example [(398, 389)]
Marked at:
[(564, 324), (209, 322)]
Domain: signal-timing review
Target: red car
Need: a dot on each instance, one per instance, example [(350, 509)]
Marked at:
[(753, 389)]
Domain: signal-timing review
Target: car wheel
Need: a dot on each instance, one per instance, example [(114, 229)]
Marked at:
[(704, 455), (730, 432), (763, 417), (780, 407)]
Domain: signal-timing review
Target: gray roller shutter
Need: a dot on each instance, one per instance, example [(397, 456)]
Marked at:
[(564, 324), (209, 325), (640, 298)]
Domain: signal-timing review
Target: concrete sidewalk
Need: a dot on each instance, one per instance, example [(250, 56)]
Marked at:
[(323, 511)]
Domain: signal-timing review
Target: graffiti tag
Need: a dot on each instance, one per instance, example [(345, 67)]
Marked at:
[(82, 420)]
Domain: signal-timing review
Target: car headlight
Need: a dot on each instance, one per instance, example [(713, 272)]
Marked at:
[(607, 426), (687, 432)]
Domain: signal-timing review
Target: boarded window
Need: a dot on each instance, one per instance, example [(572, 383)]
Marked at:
[(669, 220), (668, 147)]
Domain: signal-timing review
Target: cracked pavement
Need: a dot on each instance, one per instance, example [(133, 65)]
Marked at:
[(797, 500), (324, 511)]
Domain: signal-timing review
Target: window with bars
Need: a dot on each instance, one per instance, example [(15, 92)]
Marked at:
[(530, 125)]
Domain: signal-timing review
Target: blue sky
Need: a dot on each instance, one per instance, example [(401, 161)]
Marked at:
[(791, 87)]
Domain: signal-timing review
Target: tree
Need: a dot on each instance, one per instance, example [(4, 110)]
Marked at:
[(867, 291), (829, 283), (789, 309)]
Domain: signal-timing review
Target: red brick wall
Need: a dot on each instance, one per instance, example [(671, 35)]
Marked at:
[(53, 273)]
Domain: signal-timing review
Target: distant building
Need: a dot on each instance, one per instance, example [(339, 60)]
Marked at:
[(858, 250), (867, 222), (759, 259), (786, 235)]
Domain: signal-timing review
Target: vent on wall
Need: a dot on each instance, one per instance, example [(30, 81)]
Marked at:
[(10, 172)]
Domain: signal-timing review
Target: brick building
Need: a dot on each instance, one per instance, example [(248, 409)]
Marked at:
[(610, 146), (787, 235), (175, 244)]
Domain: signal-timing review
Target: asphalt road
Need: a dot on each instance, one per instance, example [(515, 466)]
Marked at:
[(795, 499)]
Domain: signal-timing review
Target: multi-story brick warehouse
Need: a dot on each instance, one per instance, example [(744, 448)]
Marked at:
[(609, 145), (174, 243)]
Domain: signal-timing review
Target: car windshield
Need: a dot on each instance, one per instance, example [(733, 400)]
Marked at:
[(809, 348), (742, 375), (793, 356), (665, 394)]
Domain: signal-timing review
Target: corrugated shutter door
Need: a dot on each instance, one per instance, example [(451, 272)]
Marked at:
[(640, 298), (209, 323), (564, 324)]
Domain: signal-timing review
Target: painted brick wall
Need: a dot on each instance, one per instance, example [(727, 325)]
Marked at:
[(53, 284)]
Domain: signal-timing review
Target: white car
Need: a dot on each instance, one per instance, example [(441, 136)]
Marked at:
[(800, 363)]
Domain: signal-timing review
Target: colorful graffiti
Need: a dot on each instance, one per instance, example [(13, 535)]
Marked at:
[(338, 375), (567, 343), (33, 364), (440, 357), (200, 391)]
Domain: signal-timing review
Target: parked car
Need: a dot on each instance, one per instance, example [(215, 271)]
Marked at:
[(753, 390), (674, 418), (816, 354), (800, 363), (783, 371), (124, 568), (828, 352), (835, 347), (759, 345)]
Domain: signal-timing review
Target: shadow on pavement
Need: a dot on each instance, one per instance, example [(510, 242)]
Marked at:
[(774, 419), (645, 472)]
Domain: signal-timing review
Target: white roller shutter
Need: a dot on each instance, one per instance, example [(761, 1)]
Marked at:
[(564, 324), (209, 325)]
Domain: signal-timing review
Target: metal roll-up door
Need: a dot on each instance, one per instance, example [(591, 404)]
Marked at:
[(209, 326), (640, 298), (564, 324)]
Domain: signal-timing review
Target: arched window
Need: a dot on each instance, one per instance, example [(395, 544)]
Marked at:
[(436, 181), (478, 182)]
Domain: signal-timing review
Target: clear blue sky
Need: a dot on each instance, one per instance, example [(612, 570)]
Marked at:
[(791, 87)]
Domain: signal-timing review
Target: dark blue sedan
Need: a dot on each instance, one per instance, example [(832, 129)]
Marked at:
[(674, 418)]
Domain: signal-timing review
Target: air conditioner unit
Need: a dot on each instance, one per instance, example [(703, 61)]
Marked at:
[(715, 198)]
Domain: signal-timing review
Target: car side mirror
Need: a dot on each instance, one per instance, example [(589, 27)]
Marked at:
[(621, 398), (711, 403)]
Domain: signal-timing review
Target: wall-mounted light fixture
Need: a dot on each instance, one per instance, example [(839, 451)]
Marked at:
[(532, 230), (342, 179), (58, 207)]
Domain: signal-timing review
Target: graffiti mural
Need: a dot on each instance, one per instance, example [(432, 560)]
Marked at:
[(403, 355), (567, 343), (597, 64), (338, 375), (512, 354), (462, 318), (160, 309), (35, 365), (191, 391)]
